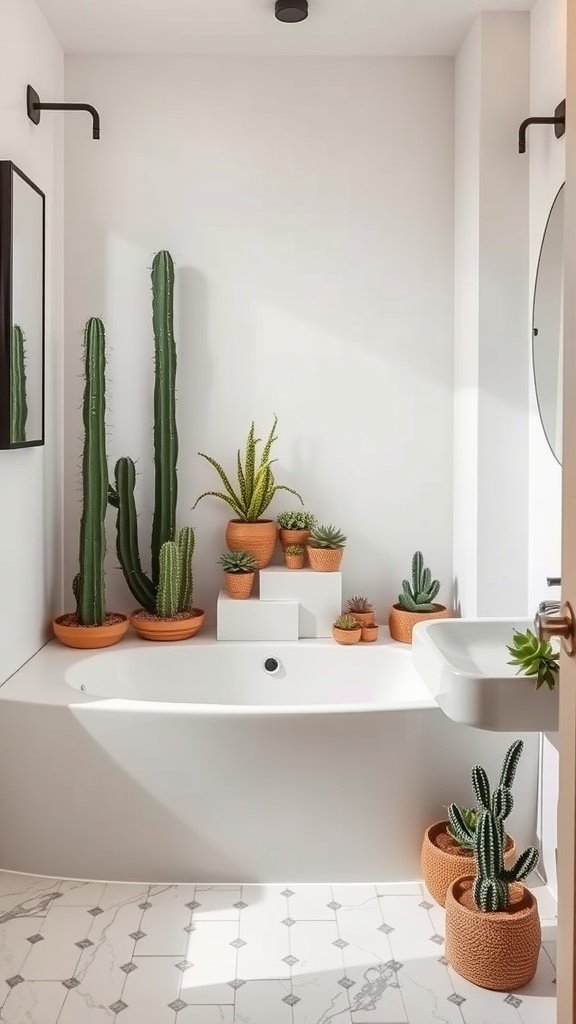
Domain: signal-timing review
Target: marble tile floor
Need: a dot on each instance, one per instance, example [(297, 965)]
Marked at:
[(95, 953)]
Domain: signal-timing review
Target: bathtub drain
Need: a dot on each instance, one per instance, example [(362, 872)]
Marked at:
[(271, 665)]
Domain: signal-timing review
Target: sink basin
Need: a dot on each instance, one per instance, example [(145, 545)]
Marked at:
[(463, 662)]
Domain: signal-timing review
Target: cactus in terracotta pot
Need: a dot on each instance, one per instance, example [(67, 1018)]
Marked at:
[(416, 603)]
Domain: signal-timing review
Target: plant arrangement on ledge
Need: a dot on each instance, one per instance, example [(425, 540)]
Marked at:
[(295, 556), (174, 617), (326, 548), (346, 630), (239, 572), (361, 608), (535, 658), (90, 626), (447, 848), (416, 602), (295, 527), (146, 589), (493, 933), (256, 489)]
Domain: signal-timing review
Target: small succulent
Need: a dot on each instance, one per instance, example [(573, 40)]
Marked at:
[(347, 622), (238, 562), (535, 657), (359, 604), (419, 595), (327, 537), (294, 549), (469, 816), (296, 520)]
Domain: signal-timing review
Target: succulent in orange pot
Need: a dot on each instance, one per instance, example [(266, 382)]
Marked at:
[(326, 548), (239, 572), (256, 489), (295, 556), (346, 630), (361, 608), (416, 602), (174, 617), (295, 527)]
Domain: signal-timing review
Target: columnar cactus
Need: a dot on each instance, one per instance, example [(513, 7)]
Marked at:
[(144, 587), (175, 588), (185, 552), (419, 597), (18, 404), (91, 589), (492, 882)]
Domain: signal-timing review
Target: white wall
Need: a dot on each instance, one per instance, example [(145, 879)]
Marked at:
[(308, 204), (30, 480)]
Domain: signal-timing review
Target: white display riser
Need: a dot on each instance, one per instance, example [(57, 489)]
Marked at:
[(319, 595), (255, 619)]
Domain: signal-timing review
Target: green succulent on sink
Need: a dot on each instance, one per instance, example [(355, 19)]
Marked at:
[(534, 657)]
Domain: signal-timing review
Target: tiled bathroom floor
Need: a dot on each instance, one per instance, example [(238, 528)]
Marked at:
[(94, 953)]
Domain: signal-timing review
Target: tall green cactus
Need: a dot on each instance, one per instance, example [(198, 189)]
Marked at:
[(419, 597), (91, 591), (18, 403), (175, 589), (492, 882), (144, 587), (185, 552)]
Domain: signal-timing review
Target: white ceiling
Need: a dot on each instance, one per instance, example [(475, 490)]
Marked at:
[(334, 27)]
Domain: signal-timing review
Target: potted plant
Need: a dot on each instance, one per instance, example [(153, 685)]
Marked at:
[(148, 620), (361, 609), (416, 602), (248, 531), (346, 630), (295, 527), (239, 572), (325, 548), (174, 617), (493, 933), (295, 556), (369, 632), (90, 626), (448, 846), (536, 658)]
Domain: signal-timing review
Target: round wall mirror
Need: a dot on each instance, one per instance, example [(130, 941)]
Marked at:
[(548, 327)]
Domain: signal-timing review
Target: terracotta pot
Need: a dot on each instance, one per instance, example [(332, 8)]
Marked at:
[(346, 636), (364, 618), (498, 951), (295, 561), (325, 559), (258, 539), (151, 627), (402, 622), (239, 584), (443, 860), (289, 537), (90, 638), (369, 632)]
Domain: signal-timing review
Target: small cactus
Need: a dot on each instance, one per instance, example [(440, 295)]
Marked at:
[(241, 562), (327, 537), (169, 583), (185, 552), (295, 520), (294, 549), (347, 622), (420, 594)]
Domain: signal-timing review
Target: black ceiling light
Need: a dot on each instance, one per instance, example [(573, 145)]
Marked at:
[(291, 10)]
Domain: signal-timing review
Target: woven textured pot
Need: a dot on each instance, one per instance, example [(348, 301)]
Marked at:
[(239, 584), (90, 638), (369, 632), (325, 559), (498, 951), (289, 537), (258, 539), (346, 636), (163, 630), (294, 561), (443, 861), (402, 622), (364, 618)]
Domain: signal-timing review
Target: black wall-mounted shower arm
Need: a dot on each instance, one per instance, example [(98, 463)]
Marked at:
[(34, 106), (559, 122)]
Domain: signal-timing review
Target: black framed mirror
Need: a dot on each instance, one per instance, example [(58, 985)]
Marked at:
[(548, 327), (22, 295)]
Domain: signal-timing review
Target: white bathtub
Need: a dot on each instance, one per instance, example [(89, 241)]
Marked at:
[(189, 762)]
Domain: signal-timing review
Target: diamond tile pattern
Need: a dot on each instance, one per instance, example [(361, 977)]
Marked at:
[(344, 955)]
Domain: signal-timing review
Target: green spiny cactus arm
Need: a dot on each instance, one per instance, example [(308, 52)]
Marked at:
[(417, 567), (502, 803), (433, 590), (426, 580), (18, 403), (406, 599), (76, 592), (169, 581), (491, 895), (509, 768), (481, 787), (165, 432), (185, 552), (92, 604), (459, 828), (127, 536), (524, 866)]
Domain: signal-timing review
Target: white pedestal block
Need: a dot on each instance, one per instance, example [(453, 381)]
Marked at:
[(256, 620), (318, 593)]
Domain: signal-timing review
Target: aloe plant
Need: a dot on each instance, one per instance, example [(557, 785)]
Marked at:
[(534, 657), (256, 486), (359, 604), (18, 403), (463, 829), (89, 586), (419, 595), (238, 562), (491, 889), (327, 537)]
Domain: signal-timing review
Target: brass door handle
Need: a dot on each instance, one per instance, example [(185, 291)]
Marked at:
[(561, 625)]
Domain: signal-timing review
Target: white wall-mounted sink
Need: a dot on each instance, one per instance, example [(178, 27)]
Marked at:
[(463, 662)]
